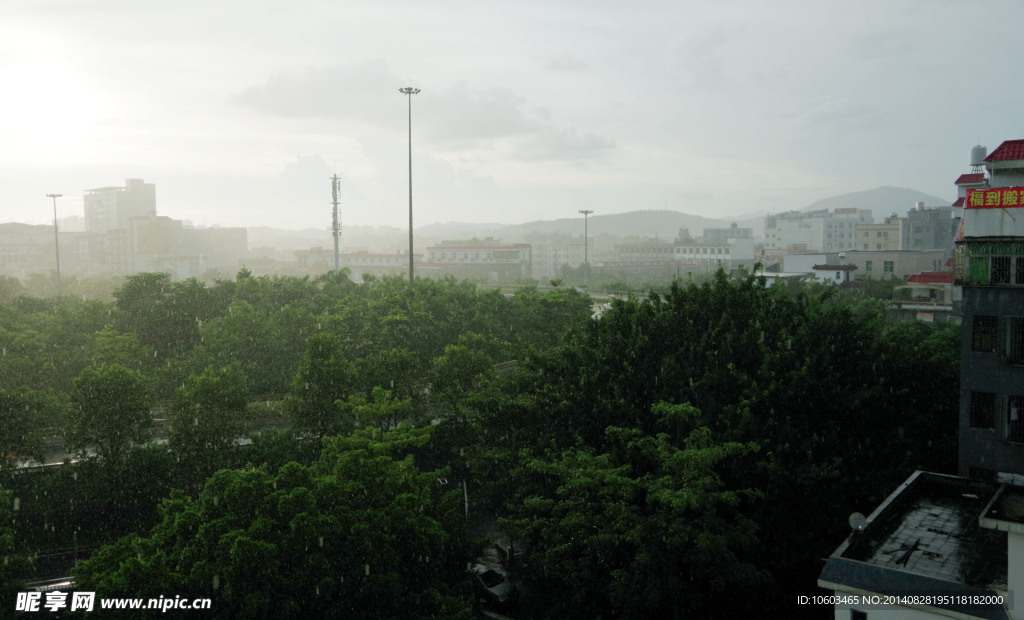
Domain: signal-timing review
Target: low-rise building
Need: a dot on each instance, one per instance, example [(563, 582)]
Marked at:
[(882, 265), (476, 258), (928, 296)]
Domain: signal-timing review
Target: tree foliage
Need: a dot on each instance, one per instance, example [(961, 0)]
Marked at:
[(352, 535), (110, 410)]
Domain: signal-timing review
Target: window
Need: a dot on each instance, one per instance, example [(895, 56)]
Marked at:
[(1013, 346), (856, 614), (978, 267), (983, 410), (887, 266), (878, 246), (983, 333), (1020, 270), (867, 264), (1015, 419), (1000, 270)]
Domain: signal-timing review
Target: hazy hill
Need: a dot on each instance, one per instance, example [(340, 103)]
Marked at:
[(882, 201), (665, 224)]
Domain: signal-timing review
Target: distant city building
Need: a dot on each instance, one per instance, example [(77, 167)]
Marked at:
[(123, 235), (320, 260), (550, 254), (882, 265), (110, 208), (26, 249), (833, 274), (884, 236), (929, 228), (815, 231), (476, 258), (690, 254), (721, 236)]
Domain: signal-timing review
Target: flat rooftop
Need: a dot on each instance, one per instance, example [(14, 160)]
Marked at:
[(925, 539)]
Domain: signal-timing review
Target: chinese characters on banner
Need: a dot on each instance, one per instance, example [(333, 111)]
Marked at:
[(995, 198)]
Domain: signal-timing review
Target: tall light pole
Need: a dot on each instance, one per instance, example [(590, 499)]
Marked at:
[(409, 91), (586, 237), (56, 243)]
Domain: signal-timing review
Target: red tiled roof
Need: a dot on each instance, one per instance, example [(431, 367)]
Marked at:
[(835, 267), (1011, 149), (932, 277), (966, 179), (959, 202)]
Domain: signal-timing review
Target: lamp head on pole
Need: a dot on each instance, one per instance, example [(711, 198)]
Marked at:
[(408, 90)]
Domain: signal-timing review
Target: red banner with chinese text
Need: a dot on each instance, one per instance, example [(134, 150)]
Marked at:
[(1007, 197)]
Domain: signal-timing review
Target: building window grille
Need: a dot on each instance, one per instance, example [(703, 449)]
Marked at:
[(1015, 419), (1014, 346), (983, 333), (887, 266), (979, 271), (1000, 270), (1020, 270), (983, 410)]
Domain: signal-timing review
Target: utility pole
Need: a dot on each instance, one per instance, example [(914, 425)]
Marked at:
[(586, 237), (409, 92), (336, 226), (56, 243)]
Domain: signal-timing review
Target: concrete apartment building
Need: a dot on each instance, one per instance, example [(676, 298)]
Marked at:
[(112, 208), (815, 231), (929, 228), (990, 268), (884, 236)]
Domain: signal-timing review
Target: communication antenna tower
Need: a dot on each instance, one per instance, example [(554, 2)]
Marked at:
[(336, 227)]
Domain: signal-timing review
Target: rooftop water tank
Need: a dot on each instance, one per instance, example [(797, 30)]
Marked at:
[(978, 155)]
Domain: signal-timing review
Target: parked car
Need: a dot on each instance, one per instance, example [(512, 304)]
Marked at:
[(494, 585)]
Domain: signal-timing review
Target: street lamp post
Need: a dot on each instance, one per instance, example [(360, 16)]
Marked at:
[(586, 237), (409, 91), (56, 243)]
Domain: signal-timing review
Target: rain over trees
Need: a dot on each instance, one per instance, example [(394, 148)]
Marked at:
[(285, 445)]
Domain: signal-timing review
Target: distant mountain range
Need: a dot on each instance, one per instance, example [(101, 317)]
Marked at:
[(882, 201), (665, 224)]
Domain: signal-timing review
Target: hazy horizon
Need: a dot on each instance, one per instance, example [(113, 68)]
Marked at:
[(239, 115)]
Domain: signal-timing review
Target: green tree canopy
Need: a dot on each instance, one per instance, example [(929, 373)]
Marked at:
[(110, 410), (354, 535)]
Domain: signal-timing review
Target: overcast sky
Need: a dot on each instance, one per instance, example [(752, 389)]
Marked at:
[(240, 113)]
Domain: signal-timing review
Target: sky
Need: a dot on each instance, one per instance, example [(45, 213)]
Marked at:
[(240, 112)]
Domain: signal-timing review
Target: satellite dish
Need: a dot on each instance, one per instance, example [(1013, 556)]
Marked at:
[(858, 522)]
